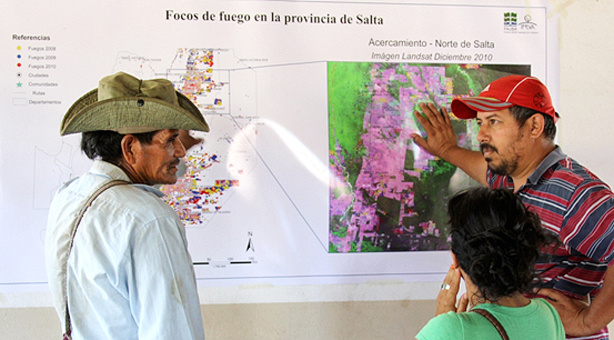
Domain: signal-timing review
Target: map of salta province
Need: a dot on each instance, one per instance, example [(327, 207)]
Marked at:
[(386, 194), (201, 75)]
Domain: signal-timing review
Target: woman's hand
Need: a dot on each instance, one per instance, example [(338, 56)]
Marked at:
[(446, 300)]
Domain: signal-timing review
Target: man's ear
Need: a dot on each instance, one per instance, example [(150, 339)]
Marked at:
[(536, 123), (131, 148)]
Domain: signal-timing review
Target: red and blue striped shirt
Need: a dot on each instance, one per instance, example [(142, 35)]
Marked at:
[(576, 205)]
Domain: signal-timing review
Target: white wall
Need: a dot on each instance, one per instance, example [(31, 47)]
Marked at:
[(586, 42)]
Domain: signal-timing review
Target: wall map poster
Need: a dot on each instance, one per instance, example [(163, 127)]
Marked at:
[(308, 175)]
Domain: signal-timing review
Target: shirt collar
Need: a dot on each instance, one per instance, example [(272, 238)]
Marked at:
[(113, 172), (109, 170), (553, 157), (151, 189)]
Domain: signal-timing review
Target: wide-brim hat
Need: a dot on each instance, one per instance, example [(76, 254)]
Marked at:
[(127, 105), (504, 93)]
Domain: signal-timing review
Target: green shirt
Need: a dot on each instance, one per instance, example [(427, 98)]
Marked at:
[(537, 320)]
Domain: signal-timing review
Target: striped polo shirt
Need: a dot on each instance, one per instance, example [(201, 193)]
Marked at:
[(576, 205)]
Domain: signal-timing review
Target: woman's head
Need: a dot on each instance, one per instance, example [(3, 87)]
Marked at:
[(496, 240)]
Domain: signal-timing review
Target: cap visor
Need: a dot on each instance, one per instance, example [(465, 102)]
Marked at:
[(467, 108)]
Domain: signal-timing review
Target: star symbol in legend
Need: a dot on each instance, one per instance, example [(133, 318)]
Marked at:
[(19, 84)]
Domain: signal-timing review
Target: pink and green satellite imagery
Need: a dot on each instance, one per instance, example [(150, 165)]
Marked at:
[(386, 194)]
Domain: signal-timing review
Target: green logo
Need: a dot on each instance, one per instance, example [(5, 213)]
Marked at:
[(510, 20)]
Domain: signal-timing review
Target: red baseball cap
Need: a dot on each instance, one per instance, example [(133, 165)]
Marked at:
[(506, 92)]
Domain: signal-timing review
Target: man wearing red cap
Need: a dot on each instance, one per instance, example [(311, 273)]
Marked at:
[(517, 151)]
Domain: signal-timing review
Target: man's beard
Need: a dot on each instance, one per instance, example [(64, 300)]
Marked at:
[(505, 168)]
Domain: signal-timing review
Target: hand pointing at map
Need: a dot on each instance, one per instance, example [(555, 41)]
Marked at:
[(441, 141), (440, 135)]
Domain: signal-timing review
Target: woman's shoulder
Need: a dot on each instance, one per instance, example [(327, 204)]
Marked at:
[(538, 320), (536, 306), (453, 325)]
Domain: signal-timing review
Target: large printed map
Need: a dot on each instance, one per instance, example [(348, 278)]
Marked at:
[(308, 175)]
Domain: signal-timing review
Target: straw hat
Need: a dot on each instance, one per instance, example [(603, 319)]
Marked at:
[(127, 105)]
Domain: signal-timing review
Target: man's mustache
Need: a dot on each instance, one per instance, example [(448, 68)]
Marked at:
[(486, 146), (175, 163)]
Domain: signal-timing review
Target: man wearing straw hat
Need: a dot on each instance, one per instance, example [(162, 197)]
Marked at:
[(116, 254)]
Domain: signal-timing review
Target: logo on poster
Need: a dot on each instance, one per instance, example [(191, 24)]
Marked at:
[(510, 21), (511, 24), (527, 24)]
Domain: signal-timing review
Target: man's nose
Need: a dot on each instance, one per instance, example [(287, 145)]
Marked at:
[(482, 136), (179, 149)]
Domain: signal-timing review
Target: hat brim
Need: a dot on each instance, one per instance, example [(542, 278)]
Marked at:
[(131, 115), (467, 108)]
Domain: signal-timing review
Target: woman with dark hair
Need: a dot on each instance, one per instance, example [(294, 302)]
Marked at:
[(495, 243)]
